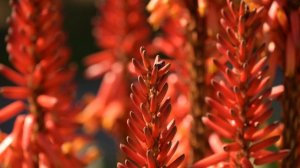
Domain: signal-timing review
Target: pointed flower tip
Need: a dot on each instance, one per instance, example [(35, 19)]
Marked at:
[(269, 158), (11, 110)]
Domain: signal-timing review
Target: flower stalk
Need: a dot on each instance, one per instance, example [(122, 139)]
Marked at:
[(44, 78), (197, 36), (242, 114), (151, 143), (118, 30)]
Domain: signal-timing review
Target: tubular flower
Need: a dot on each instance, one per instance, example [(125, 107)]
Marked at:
[(241, 116), (43, 77), (151, 144), (282, 31), (118, 30), (185, 40), (173, 43)]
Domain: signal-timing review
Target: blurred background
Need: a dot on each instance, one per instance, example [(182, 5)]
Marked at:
[(78, 16)]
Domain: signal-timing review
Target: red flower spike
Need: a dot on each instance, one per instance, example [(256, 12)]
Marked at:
[(152, 146), (39, 58), (119, 29), (249, 93)]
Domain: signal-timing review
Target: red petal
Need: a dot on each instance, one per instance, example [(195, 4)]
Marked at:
[(264, 132), (176, 163), (271, 157), (12, 75), (11, 110), (133, 155), (220, 130), (232, 147), (263, 144), (15, 92), (27, 132), (150, 160)]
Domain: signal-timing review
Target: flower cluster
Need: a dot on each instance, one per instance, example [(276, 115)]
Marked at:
[(119, 31), (242, 114), (152, 142), (227, 76), (282, 31), (183, 39), (44, 78)]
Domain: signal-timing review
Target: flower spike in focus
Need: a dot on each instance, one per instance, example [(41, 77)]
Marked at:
[(243, 101), (151, 144)]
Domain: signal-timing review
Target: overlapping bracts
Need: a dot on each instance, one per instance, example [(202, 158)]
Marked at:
[(43, 88), (243, 101), (119, 30), (281, 30), (151, 143)]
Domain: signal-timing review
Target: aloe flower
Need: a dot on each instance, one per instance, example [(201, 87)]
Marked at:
[(151, 144), (281, 31), (184, 38), (43, 88), (243, 97), (284, 31), (119, 30)]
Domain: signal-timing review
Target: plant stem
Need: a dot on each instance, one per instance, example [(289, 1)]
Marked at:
[(197, 36)]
